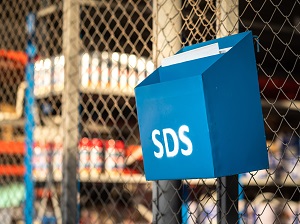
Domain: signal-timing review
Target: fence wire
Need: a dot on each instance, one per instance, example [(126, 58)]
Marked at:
[(119, 43), (272, 195)]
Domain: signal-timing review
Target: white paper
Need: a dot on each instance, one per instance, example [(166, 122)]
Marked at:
[(202, 52), (224, 50), (209, 50)]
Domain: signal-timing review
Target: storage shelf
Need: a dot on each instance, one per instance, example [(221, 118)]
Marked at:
[(293, 105), (247, 181), (140, 179), (114, 178), (104, 178), (122, 178), (12, 148), (88, 90), (270, 181), (12, 170)]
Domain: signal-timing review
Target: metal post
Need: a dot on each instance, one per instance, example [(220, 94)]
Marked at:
[(227, 24), (166, 195), (227, 17), (167, 26), (167, 202), (228, 199), (71, 26), (29, 124)]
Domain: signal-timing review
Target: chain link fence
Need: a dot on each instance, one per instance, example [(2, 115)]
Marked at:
[(86, 157)]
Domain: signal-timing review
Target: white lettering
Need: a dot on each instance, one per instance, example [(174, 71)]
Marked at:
[(171, 132), (185, 140), (168, 132), (158, 144)]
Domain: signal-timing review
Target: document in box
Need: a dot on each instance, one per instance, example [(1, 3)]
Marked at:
[(202, 52)]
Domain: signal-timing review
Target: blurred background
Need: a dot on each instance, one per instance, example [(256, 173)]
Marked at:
[(69, 139)]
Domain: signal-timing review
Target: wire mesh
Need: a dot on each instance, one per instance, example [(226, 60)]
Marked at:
[(272, 195), (267, 196), (120, 43), (12, 94), (115, 55)]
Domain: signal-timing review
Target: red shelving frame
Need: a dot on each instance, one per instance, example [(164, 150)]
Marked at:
[(12, 148)]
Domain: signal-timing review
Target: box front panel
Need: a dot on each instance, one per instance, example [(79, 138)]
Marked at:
[(173, 130)]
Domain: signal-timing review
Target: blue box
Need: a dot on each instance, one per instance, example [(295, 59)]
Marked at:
[(202, 118)]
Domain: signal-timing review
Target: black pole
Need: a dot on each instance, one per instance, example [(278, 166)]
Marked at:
[(228, 200), (167, 202)]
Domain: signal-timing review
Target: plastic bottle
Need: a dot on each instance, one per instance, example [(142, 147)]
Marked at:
[(264, 209), (132, 79), (110, 156), (141, 67), (114, 156), (39, 161), (47, 76), (96, 157), (84, 157), (58, 74), (120, 153), (123, 72), (114, 79), (85, 70), (290, 151), (149, 67), (105, 70), (57, 159), (95, 71), (37, 77), (208, 214)]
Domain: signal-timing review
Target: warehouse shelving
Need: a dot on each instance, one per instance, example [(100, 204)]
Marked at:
[(46, 74), (53, 128), (101, 73), (134, 178), (87, 90)]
